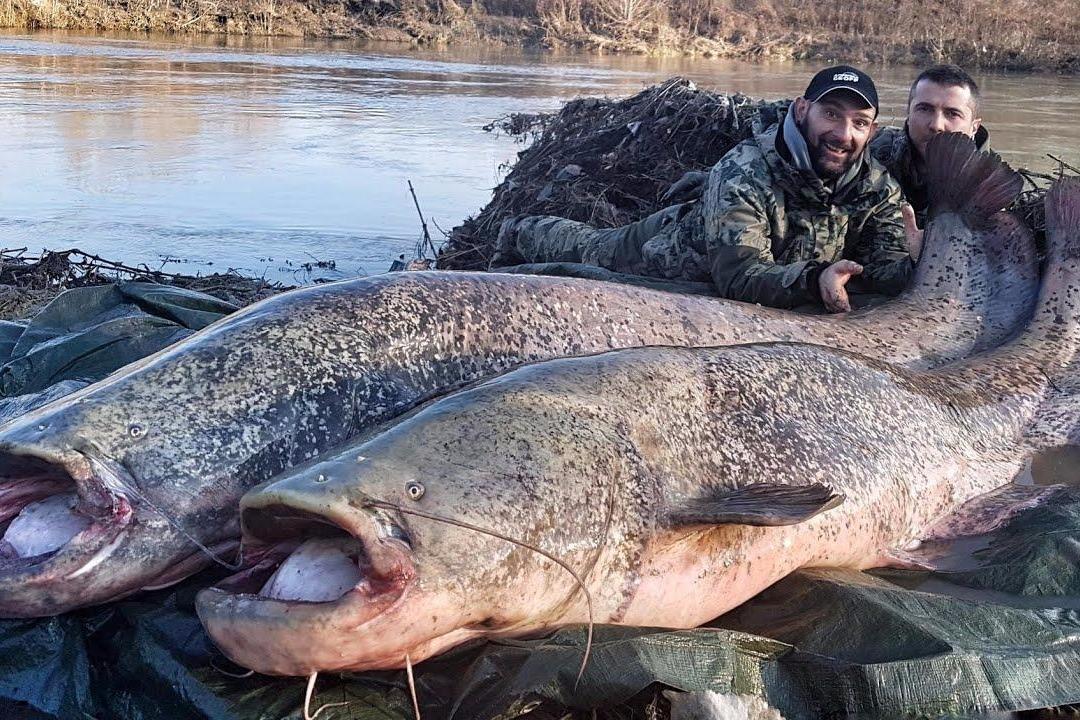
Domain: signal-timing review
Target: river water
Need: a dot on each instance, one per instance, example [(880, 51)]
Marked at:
[(201, 154)]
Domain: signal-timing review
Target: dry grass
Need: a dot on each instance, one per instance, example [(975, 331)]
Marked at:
[(1014, 34)]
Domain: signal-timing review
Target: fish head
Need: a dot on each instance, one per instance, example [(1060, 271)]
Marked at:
[(80, 518), (441, 529)]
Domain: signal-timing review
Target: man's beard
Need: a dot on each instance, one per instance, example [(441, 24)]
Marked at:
[(827, 169)]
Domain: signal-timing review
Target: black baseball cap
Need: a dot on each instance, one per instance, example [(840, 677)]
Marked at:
[(842, 77)]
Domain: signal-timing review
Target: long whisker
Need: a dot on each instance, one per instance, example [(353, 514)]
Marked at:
[(412, 686), (308, 715), (183, 531), (247, 674), (308, 693), (118, 477), (495, 534)]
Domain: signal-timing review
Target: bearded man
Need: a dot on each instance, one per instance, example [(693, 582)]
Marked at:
[(786, 218)]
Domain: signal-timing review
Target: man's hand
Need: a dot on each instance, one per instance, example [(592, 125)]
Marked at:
[(914, 234), (832, 281)]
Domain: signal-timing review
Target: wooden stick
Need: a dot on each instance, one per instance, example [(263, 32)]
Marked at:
[(423, 223)]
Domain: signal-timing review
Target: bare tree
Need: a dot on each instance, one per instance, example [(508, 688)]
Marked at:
[(625, 18)]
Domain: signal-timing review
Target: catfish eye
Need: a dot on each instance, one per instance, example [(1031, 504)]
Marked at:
[(414, 490), (136, 430)]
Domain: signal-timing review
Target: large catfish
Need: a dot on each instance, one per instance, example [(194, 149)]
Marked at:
[(134, 482), (648, 486)]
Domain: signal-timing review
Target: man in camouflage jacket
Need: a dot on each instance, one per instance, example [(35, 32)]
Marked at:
[(786, 218)]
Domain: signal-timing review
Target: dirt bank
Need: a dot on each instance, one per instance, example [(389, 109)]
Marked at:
[(1001, 34)]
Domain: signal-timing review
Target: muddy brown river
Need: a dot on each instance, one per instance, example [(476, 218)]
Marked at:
[(200, 154)]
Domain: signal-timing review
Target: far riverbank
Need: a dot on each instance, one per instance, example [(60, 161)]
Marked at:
[(982, 34)]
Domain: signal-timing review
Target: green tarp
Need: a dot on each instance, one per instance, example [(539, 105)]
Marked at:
[(999, 630), (86, 333), (820, 643)]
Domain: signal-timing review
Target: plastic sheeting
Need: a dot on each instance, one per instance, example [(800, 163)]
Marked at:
[(999, 630), (86, 333), (1002, 633)]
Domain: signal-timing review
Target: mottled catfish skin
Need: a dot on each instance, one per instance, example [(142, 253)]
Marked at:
[(160, 453), (676, 482)]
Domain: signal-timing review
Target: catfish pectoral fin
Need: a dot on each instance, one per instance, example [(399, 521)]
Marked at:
[(757, 504)]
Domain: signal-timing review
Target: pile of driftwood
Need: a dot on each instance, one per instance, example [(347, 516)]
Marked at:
[(28, 282), (1029, 206), (609, 162)]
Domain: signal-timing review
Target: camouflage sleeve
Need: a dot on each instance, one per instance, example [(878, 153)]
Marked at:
[(738, 240), (882, 244)]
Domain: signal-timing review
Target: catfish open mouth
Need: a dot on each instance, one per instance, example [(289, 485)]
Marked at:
[(324, 590), (297, 557), (51, 506)]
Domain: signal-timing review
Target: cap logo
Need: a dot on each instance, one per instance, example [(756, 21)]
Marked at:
[(845, 77)]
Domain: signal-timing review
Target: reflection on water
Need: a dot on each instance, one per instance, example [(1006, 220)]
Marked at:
[(250, 153)]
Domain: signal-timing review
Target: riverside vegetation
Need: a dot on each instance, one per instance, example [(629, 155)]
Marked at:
[(1001, 34)]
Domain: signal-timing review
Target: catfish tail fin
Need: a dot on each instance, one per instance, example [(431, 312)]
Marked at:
[(961, 179), (1063, 220), (1058, 314)]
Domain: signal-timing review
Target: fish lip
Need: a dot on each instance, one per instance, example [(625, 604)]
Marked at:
[(388, 562), (261, 632), (255, 632), (99, 488)]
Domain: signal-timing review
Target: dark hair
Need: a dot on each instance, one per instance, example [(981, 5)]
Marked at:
[(948, 76)]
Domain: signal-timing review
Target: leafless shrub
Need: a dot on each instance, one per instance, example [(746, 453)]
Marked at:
[(1006, 34), (561, 18), (624, 18)]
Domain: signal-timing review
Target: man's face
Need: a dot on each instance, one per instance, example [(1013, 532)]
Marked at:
[(935, 109), (837, 128)]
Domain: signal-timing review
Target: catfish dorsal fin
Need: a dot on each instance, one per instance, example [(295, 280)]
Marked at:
[(961, 179), (756, 504)]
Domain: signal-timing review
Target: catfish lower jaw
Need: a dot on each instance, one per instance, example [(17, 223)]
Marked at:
[(293, 637), (59, 519), (305, 593)]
